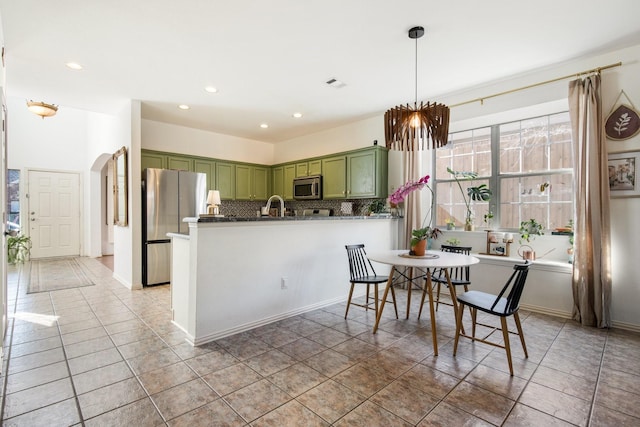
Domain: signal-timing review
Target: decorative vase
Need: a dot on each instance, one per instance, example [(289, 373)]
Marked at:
[(468, 226), (420, 248)]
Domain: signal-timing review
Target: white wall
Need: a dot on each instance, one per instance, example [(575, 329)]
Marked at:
[(344, 138), (173, 138)]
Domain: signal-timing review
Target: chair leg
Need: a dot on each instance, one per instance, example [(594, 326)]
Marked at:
[(349, 301), (438, 296), (507, 347), (458, 329), (375, 290), (474, 315), (393, 298), (516, 317), (367, 299)]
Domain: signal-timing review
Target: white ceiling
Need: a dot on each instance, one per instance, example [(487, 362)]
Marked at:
[(270, 58)]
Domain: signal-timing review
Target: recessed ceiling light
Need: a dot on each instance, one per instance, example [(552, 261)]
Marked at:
[(183, 106), (211, 89), (297, 115), (264, 125), (74, 66)]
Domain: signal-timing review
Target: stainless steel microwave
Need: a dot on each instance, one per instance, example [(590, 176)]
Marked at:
[(307, 188)]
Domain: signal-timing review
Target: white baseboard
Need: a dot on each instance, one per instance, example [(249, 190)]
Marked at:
[(262, 322)]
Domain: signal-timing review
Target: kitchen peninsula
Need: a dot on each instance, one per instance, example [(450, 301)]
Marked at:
[(234, 274)]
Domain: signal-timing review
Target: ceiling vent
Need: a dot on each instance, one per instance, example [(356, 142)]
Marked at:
[(336, 84)]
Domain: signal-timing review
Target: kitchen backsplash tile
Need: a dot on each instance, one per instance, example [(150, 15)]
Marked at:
[(245, 209)]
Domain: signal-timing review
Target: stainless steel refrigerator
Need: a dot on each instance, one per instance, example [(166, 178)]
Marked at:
[(168, 196)]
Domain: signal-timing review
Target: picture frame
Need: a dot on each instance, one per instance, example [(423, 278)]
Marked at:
[(623, 174), (499, 249), (120, 187)]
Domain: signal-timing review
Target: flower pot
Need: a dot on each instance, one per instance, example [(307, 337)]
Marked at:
[(420, 248), (468, 227)]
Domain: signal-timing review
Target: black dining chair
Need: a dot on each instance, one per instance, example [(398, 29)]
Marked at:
[(459, 275), (361, 271), (503, 305)]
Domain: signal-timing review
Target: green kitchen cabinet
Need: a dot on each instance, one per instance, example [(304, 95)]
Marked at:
[(309, 168), (289, 176), (359, 174), (152, 160), (181, 163), (277, 180), (252, 182), (226, 180), (334, 179), (207, 167)]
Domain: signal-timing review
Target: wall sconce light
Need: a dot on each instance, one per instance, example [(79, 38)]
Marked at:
[(42, 109), (213, 200)]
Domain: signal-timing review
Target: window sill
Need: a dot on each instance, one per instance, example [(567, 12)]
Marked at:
[(540, 264)]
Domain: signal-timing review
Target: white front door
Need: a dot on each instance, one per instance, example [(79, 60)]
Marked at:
[(54, 213)]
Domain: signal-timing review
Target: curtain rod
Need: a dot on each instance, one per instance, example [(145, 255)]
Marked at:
[(481, 99)]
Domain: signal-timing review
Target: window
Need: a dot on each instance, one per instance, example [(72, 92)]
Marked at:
[(528, 165)]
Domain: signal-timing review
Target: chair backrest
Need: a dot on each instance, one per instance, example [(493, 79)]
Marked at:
[(359, 264), (457, 273), (514, 286)]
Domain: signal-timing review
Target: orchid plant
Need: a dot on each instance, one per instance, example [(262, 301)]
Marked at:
[(398, 196)]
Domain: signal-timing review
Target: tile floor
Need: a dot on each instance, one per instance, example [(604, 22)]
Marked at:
[(103, 355)]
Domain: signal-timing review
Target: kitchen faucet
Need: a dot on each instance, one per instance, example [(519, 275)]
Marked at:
[(265, 210)]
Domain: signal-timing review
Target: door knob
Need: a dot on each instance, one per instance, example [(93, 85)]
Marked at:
[(33, 213)]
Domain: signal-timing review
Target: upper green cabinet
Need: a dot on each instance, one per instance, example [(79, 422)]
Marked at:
[(153, 160), (181, 163), (309, 168), (207, 167), (334, 180), (252, 182), (289, 176), (226, 180), (359, 174)]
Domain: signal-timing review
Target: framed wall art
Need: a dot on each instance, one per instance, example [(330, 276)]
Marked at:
[(623, 176), (623, 122)]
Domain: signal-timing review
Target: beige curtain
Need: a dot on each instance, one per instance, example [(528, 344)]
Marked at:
[(412, 203), (592, 259)]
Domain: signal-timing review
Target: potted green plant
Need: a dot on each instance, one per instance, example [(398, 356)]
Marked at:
[(473, 193), (18, 248), (530, 229), (452, 241), (488, 217), (420, 239), (377, 206), (451, 225)]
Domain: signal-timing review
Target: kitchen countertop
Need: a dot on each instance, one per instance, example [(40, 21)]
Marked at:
[(285, 218)]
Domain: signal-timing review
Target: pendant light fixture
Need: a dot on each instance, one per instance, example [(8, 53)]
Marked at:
[(42, 109), (407, 128)]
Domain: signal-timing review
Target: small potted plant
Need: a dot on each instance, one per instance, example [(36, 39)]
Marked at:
[(530, 229), (377, 206), (451, 225), (452, 241), (488, 217), (420, 238), (18, 248)]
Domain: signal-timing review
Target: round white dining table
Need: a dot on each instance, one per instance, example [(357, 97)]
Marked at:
[(432, 260)]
